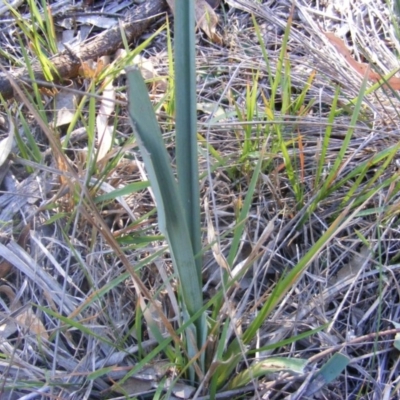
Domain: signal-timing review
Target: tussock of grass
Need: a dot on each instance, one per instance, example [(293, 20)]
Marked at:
[(299, 166)]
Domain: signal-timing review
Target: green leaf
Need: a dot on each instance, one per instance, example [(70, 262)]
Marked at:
[(330, 371), (126, 190), (186, 120), (171, 219)]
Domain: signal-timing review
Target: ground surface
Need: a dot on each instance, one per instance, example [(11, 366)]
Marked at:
[(56, 257)]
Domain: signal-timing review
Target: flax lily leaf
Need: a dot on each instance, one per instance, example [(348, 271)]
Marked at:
[(171, 219)]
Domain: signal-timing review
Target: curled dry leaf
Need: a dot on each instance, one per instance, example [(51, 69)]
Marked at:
[(26, 320), (90, 69), (206, 19), (105, 131), (351, 269), (362, 68), (5, 149), (7, 143), (212, 240), (182, 390), (10, 327), (144, 381), (135, 387), (65, 106), (5, 265), (149, 72)]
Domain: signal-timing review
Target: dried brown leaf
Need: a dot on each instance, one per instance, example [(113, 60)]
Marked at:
[(30, 322), (134, 387), (26, 320), (362, 69), (351, 269), (212, 240), (65, 104), (5, 265), (104, 130), (206, 18), (6, 143)]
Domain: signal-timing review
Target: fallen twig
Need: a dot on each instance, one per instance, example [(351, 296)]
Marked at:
[(67, 63)]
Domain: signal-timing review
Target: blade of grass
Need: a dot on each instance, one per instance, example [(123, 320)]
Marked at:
[(240, 226), (377, 175), (323, 193), (126, 190), (327, 136), (233, 352), (376, 159), (277, 79)]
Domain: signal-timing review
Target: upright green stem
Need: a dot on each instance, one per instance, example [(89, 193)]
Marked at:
[(186, 121)]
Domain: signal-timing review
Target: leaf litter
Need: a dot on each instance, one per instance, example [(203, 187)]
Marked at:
[(340, 287)]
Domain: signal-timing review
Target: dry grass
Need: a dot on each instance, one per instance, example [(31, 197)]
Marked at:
[(84, 296)]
